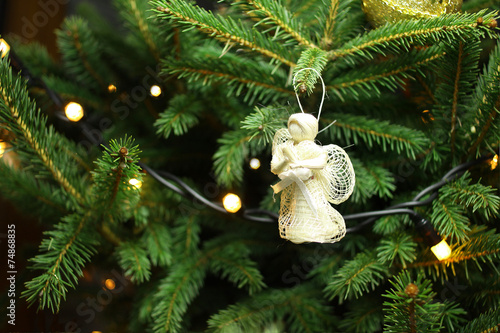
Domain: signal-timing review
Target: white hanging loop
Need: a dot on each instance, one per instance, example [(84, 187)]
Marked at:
[(322, 84)]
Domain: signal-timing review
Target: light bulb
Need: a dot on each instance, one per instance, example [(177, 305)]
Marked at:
[(231, 202), (4, 48), (111, 88), (3, 147), (441, 250), (74, 111), (135, 182), (110, 284), (494, 162), (155, 91), (254, 163)]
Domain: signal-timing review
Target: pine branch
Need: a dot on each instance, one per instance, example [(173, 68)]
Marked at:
[(223, 28), (478, 196), (286, 22), (82, 54), (62, 257), (229, 157), (114, 196), (487, 322), (389, 74), (400, 36), (450, 220), (457, 71), (263, 123), (364, 316), (133, 259), (371, 179), (353, 129), (410, 307), (486, 106), (180, 287), (136, 14), (186, 234), (158, 243), (300, 306), (253, 78), (305, 80), (34, 139), (181, 115), (399, 246), (356, 277)]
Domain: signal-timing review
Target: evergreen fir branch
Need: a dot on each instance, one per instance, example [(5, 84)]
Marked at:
[(339, 21), (410, 307), (254, 79), (364, 316), (37, 59), (299, 305), (186, 234), (135, 13), (38, 197), (181, 286), (388, 225), (177, 291), (82, 54), (452, 316), (400, 246), (69, 246), (133, 259), (234, 264), (264, 122), (113, 194), (353, 129), (356, 277), (34, 139), (72, 91), (478, 196), (179, 117), (400, 36), (229, 157), (487, 322), (457, 71), (158, 243), (372, 179), (285, 21), (390, 74), (450, 220), (326, 268), (305, 80), (223, 28), (486, 106)]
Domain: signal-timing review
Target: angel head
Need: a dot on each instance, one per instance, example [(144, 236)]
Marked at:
[(302, 126)]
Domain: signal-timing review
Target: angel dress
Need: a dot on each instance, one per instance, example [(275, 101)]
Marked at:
[(312, 177)]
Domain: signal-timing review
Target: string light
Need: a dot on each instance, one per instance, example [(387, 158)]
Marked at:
[(155, 91), (255, 163), (74, 111), (111, 88), (438, 246), (494, 162), (110, 284), (4, 48), (3, 147), (231, 202), (135, 182), (441, 250)]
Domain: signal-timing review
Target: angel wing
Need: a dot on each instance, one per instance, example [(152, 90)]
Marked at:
[(281, 139), (337, 178)]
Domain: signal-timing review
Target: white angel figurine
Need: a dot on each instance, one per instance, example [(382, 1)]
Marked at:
[(312, 177)]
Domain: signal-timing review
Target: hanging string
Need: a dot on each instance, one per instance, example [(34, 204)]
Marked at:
[(322, 84)]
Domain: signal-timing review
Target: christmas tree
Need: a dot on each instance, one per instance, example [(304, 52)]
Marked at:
[(125, 149)]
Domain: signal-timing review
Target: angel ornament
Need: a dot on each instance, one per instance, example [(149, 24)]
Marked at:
[(312, 176)]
